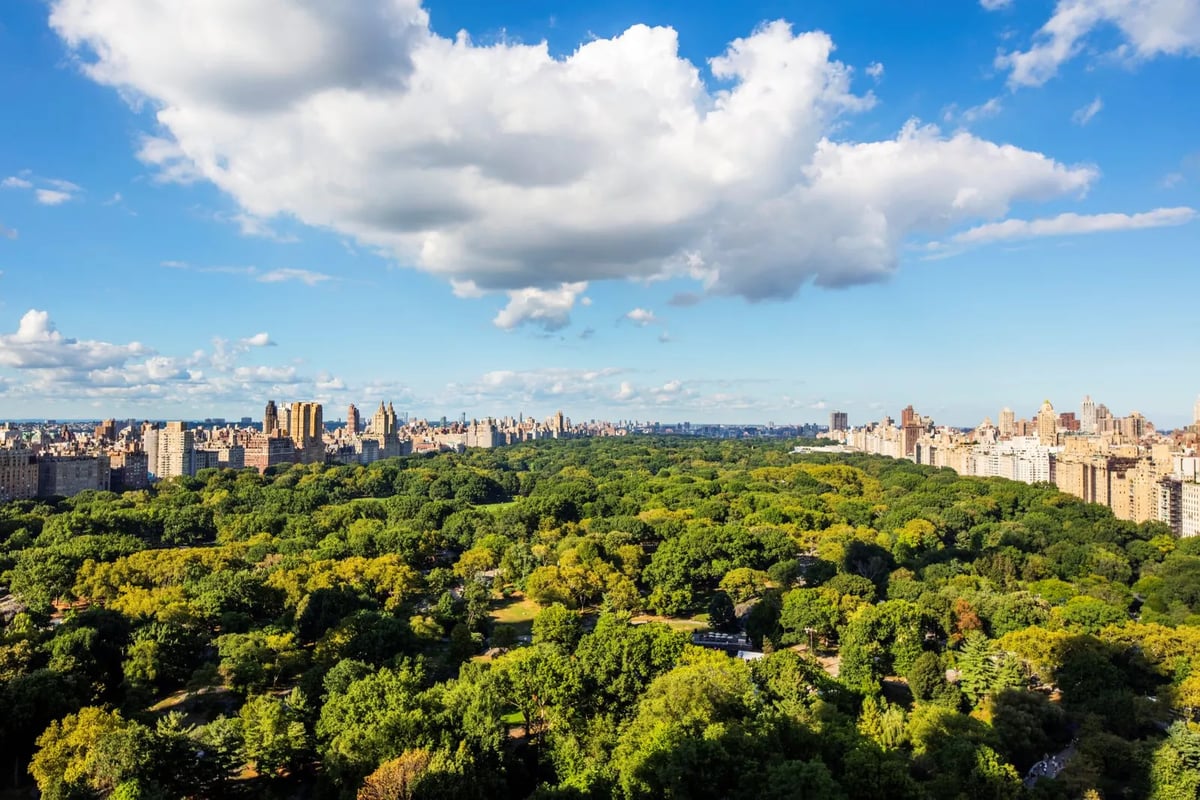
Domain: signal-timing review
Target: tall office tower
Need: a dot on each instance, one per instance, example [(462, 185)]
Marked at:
[(907, 416), (1047, 425), (839, 421), (1196, 412), (175, 450), (270, 418), (1087, 415), (352, 421), (1008, 422), (392, 424)]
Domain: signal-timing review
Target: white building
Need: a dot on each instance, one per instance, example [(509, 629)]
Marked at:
[(1190, 509)]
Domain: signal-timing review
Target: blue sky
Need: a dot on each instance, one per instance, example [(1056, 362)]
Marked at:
[(625, 210)]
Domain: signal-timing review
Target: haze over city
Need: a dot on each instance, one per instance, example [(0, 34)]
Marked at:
[(625, 210)]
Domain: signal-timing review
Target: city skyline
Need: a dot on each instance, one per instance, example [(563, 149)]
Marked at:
[(593, 208)]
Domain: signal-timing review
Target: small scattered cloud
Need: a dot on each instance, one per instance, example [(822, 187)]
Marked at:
[(307, 277), (548, 308), (171, 264), (995, 5), (641, 317), (51, 197), (875, 70), (1187, 169), (587, 333), (1171, 180), (250, 225), (1071, 224), (257, 340), (665, 338), (8, 233), (46, 191), (973, 114), (1083, 116)]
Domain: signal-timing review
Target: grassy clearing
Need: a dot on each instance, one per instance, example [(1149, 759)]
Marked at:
[(517, 612), (690, 625)]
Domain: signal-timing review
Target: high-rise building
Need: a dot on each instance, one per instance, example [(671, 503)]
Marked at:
[(1087, 415), (270, 418), (107, 431), (176, 445), (1189, 509), (307, 431), (64, 476), (1068, 422), (1133, 427), (1196, 412), (1008, 421), (839, 421), (150, 433), (907, 416), (1047, 425), (352, 420), (384, 421), (18, 474)]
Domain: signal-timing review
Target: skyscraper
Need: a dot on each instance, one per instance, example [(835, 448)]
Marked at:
[(352, 420), (1047, 425), (907, 416), (1087, 415), (270, 418), (1008, 422), (307, 430), (1196, 411), (839, 421), (175, 450), (384, 421)]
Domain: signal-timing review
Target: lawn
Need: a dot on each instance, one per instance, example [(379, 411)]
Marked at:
[(516, 611)]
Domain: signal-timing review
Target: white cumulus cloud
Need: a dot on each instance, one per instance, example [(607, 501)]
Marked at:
[(1147, 28), (37, 344), (505, 169), (549, 308), (257, 340), (641, 316)]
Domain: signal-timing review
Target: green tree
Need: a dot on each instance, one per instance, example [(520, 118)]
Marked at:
[(376, 718), (977, 667), (273, 733), (559, 626), (721, 613), (68, 763)]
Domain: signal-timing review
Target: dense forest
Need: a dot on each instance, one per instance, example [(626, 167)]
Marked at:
[(518, 623)]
